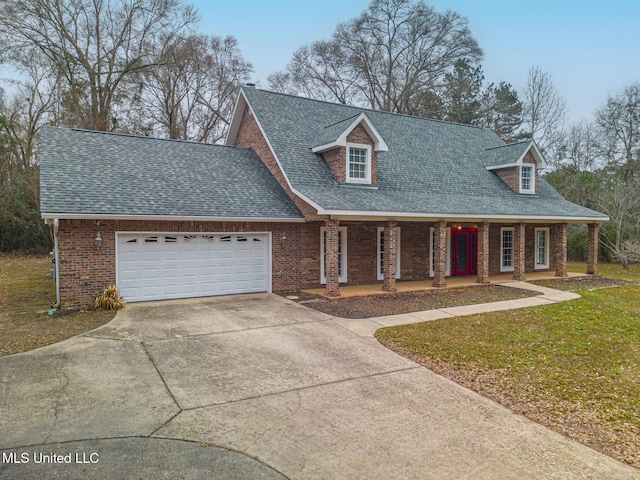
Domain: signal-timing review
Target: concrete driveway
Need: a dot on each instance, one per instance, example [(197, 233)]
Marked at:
[(256, 386)]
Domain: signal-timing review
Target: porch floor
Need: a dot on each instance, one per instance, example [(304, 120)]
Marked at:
[(452, 282)]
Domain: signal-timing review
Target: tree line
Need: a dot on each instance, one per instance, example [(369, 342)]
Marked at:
[(141, 67)]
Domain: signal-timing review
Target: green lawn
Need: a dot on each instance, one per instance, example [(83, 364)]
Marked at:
[(574, 366), (26, 293), (612, 270)]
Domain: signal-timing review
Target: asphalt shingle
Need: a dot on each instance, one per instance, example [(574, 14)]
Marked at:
[(87, 172), (431, 166)]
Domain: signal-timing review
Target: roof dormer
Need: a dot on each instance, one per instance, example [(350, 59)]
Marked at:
[(517, 164), (350, 148)]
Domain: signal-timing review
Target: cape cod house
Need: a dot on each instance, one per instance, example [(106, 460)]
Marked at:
[(305, 194)]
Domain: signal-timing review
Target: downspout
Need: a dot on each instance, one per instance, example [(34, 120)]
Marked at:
[(56, 257)]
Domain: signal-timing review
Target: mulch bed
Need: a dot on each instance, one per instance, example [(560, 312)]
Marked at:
[(406, 302), (581, 283)]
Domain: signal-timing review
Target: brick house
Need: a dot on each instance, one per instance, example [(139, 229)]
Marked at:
[(305, 194)]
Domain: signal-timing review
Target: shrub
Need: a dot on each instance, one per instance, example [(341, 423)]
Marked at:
[(110, 299)]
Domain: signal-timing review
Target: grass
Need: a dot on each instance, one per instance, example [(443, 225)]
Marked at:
[(26, 293), (573, 366), (611, 270)]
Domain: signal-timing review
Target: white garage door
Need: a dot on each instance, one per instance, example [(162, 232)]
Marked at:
[(154, 266)]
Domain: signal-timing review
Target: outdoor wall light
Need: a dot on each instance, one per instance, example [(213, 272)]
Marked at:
[(283, 238), (98, 241)]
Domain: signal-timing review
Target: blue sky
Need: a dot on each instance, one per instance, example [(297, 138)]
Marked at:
[(591, 48)]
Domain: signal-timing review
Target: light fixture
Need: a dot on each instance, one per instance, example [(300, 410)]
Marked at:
[(98, 241), (283, 238)]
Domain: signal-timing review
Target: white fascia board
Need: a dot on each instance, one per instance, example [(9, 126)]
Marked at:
[(379, 145), (537, 155), (171, 218), (409, 216), (236, 119)]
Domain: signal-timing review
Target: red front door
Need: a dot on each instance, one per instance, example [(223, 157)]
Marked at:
[(464, 243)]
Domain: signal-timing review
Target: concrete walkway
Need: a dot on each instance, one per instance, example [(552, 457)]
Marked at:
[(367, 327), (256, 386)]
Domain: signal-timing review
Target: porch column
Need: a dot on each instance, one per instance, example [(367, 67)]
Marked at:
[(561, 250), (518, 251), (483, 253), (331, 271), (390, 254), (440, 254), (592, 248)]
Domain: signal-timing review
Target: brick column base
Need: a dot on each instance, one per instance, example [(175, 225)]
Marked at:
[(440, 255), (592, 248), (483, 253), (561, 250), (390, 257), (518, 251), (331, 259)]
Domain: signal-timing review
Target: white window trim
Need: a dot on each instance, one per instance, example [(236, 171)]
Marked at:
[(379, 255), (447, 254), (532, 179), (502, 267), (343, 263), (540, 266), (367, 179)]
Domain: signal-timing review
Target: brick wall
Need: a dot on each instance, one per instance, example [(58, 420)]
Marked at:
[(249, 135), (511, 175), (85, 271), (336, 158)]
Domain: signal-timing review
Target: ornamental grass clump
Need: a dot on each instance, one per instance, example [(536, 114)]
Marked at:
[(110, 299)]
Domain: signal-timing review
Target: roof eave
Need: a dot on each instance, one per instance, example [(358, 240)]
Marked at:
[(173, 218)]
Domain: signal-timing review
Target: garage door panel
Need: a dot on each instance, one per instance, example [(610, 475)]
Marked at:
[(157, 266)]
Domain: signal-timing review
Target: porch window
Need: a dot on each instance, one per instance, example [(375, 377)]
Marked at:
[(381, 253), (542, 248), (358, 163), (342, 254), (526, 180), (506, 249)]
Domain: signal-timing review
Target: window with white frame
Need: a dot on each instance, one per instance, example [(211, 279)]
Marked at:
[(358, 163), (381, 253), (506, 249), (542, 247), (342, 254), (526, 179)]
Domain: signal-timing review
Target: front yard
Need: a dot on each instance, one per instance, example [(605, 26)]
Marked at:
[(573, 366), (26, 293)]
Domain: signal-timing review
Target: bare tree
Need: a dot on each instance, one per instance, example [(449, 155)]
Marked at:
[(544, 112), (386, 58), (191, 91), (94, 45), (618, 122)]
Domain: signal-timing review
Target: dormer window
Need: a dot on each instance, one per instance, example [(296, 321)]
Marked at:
[(526, 179), (358, 163)]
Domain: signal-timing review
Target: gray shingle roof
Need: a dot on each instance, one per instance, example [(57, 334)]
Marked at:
[(504, 154), (86, 172), (431, 167)]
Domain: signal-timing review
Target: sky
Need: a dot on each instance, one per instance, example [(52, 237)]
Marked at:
[(590, 48)]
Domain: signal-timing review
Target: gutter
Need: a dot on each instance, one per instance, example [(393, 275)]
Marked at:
[(56, 257)]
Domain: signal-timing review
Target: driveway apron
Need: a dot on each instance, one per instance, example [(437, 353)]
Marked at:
[(260, 387)]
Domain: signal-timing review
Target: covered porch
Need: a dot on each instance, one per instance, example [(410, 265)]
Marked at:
[(452, 282), (448, 253)]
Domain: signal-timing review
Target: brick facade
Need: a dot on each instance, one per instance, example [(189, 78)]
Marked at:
[(511, 175), (85, 270), (592, 248)]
